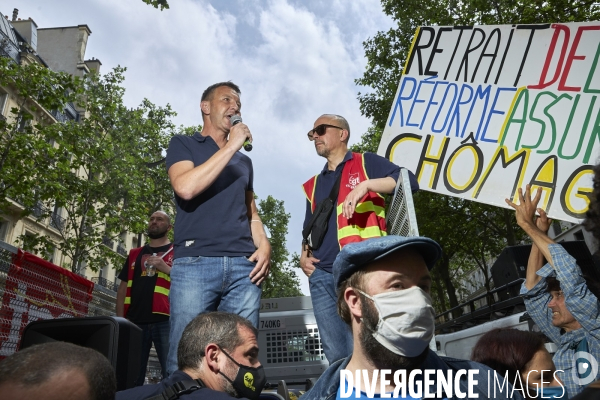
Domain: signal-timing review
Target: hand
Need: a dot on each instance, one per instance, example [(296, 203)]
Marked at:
[(543, 222), (525, 210), (159, 264), (238, 134), (353, 198), (307, 264), (262, 257)]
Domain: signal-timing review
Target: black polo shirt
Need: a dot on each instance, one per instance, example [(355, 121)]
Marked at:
[(214, 223)]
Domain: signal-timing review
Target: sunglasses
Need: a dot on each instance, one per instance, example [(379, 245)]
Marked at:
[(320, 130)]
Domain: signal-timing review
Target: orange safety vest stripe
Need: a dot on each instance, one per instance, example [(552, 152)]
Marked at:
[(369, 216), (160, 297)]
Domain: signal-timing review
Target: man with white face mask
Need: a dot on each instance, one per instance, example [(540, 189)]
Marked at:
[(383, 289)]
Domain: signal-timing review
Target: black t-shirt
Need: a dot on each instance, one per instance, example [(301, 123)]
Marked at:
[(142, 289)]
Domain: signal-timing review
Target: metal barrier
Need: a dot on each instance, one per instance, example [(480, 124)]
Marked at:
[(32, 289)]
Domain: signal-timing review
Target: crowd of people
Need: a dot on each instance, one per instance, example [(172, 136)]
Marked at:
[(198, 299)]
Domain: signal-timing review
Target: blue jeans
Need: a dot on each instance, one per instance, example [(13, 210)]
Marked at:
[(336, 336), (200, 284), (159, 334)]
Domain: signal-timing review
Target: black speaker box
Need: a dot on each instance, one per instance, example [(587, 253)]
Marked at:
[(116, 338), (511, 265)]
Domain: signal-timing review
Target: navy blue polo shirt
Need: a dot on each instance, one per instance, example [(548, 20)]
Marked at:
[(376, 167), (214, 223)]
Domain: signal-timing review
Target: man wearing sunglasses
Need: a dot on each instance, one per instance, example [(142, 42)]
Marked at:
[(358, 214)]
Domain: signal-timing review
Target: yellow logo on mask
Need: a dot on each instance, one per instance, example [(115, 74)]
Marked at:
[(249, 381)]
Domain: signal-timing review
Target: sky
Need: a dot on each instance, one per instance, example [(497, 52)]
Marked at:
[(293, 60)]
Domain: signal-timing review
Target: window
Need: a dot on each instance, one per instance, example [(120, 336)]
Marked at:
[(56, 219), (25, 121), (557, 228), (81, 267), (121, 245), (50, 255), (4, 229), (103, 273), (3, 101), (28, 242)]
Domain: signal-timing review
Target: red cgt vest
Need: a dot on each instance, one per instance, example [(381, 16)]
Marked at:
[(368, 219), (160, 299)]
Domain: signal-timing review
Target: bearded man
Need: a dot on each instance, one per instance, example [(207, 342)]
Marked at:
[(143, 294), (383, 289)]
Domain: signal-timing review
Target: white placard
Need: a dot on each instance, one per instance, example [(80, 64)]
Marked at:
[(481, 111)]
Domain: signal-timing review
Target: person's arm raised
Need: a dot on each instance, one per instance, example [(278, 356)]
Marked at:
[(525, 212), (189, 181), (536, 258)]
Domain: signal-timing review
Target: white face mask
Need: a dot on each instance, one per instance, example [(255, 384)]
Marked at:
[(406, 320)]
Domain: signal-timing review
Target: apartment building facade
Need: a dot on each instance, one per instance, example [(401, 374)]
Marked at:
[(60, 49)]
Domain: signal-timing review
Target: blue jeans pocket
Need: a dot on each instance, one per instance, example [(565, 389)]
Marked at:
[(187, 260)]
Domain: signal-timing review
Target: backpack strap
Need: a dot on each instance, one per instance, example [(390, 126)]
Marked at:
[(178, 389), (306, 242)]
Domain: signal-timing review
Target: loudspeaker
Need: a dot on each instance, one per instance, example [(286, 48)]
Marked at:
[(511, 265), (116, 338)]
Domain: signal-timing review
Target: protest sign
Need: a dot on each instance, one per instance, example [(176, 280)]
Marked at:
[(483, 110)]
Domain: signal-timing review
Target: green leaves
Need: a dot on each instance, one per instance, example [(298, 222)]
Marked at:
[(25, 149), (162, 4), (91, 174), (282, 280)]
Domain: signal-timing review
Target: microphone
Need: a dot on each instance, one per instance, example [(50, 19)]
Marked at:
[(236, 119)]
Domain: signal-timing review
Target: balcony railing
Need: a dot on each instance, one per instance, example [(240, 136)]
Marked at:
[(107, 242), (110, 285), (38, 210), (71, 112), (121, 250), (58, 222), (67, 114)]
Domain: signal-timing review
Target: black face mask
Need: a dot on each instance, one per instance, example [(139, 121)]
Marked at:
[(249, 381)]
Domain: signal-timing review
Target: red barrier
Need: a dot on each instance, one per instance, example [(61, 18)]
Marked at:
[(37, 289)]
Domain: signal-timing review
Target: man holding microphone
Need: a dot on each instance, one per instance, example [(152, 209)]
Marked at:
[(222, 254)]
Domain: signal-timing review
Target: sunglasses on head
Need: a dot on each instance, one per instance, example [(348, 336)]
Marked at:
[(320, 130)]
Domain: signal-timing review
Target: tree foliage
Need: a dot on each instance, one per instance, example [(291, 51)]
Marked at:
[(27, 153), (101, 186), (282, 280), (471, 234), (162, 4)]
